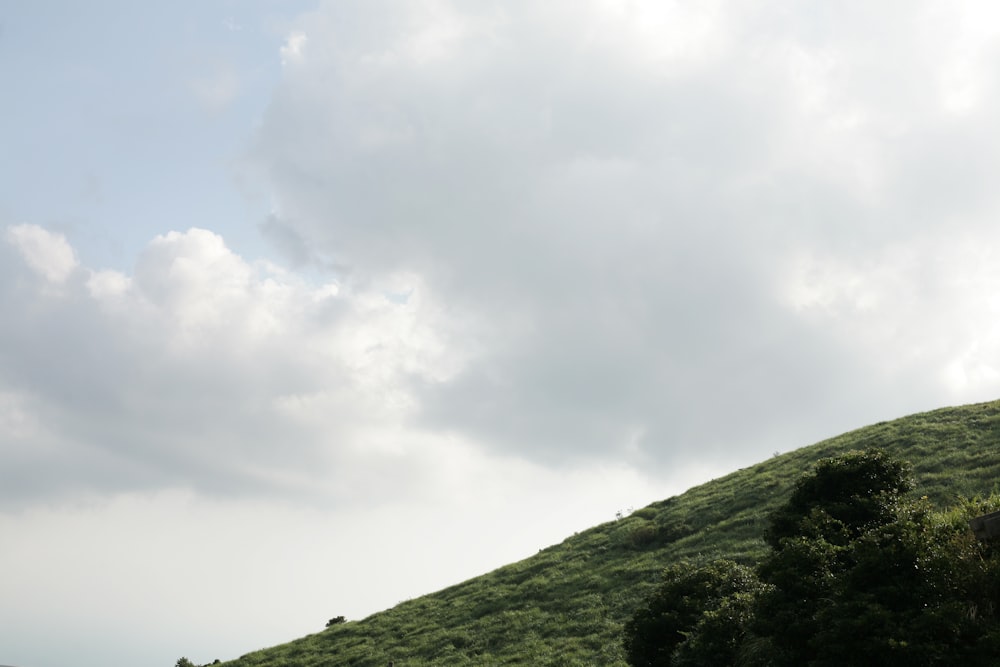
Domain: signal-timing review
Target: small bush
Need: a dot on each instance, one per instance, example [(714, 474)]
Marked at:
[(646, 513)]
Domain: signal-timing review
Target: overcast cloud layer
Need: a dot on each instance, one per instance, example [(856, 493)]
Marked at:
[(674, 227), (526, 264)]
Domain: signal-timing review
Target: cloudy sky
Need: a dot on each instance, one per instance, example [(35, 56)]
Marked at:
[(307, 308)]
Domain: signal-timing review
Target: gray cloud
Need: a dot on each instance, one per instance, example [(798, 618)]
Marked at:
[(618, 206)]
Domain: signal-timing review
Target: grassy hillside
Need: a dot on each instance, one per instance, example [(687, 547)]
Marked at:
[(566, 605)]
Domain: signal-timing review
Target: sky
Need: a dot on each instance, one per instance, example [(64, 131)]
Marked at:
[(311, 307)]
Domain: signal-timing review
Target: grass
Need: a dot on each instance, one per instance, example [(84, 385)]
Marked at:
[(566, 605)]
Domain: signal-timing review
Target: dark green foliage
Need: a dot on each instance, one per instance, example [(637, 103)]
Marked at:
[(336, 620), (859, 575), (721, 634), (696, 612), (842, 497), (567, 604), (889, 582)]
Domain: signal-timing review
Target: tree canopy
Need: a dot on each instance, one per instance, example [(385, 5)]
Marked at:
[(858, 574)]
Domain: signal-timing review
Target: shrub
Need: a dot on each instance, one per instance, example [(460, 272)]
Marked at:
[(642, 536), (696, 611), (646, 513)]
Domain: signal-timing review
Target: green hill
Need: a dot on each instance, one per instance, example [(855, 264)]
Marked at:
[(567, 604)]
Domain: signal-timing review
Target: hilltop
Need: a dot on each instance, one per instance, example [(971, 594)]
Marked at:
[(566, 605)]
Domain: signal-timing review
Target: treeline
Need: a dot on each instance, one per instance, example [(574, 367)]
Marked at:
[(859, 573)]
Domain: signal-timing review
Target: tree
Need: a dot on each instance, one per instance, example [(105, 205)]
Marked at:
[(696, 611), (842, 497), (858, 574)]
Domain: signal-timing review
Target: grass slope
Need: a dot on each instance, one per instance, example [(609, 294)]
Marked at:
[(566, 605)]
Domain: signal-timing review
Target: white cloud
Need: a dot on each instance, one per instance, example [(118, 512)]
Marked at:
[(47, 253), (964, 64), (106, 284), (661, 35), (213, 362), (293, 51), (927, 305)]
